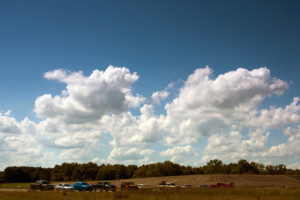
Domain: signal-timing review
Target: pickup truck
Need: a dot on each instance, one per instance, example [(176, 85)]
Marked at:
[(42, 185), (129, 186), (223, 185), (82, 186), (104, 186), (165, 185)]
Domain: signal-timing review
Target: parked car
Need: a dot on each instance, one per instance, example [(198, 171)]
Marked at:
[(141, 186), (104, 186), (186, 186), (203, 186), (64, 187), (129, 186), (223, 185), (82, 186), (42, 185), (165, 185)]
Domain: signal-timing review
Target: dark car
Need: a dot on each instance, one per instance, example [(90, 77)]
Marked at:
[(104, 186), (204, 186), (42, 185)]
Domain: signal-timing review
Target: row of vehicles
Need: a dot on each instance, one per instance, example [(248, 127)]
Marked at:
[(45, 185), (166, 185)]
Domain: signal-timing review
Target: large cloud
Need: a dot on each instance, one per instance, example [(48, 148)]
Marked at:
[(289, 149), (9, 125), (89, 98), (230, 94), (232, 146), (205, 104), (22, 147), (274, 118)]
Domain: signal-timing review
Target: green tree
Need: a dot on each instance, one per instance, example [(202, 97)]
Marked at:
[(76, 175), (121, 172)]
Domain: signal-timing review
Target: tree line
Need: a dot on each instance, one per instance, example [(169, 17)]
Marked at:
[(92, 171)]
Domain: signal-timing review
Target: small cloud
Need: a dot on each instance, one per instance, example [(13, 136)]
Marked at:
[(96, 160), (180, 81), (129, 161), (268, 163), (234, 127), (171, 85), (157, 96), (144, 160), (295, 165), (8, 113)]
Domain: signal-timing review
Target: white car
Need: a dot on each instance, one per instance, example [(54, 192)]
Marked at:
[(141, 185), (64, 187)]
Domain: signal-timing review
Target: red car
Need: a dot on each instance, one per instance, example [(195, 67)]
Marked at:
[(223, 185)]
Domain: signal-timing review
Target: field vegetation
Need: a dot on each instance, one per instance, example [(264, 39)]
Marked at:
[(187, 194)]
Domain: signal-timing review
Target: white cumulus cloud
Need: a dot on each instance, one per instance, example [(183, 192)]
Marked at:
[(89, 98)]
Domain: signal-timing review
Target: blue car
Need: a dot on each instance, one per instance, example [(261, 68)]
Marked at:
[(82, 186)]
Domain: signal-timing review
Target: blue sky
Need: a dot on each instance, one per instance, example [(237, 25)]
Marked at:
[(163, 42)]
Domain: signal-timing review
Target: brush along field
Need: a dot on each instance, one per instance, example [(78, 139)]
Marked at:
[(174, 194), (194, 180)]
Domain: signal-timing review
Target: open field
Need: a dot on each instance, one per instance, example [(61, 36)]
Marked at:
[(239, 181), (188, 194)]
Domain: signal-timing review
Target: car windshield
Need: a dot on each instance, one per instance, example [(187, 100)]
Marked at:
[(84, 184), (172, 184), (66, 185), (107, 183), (45, 182)]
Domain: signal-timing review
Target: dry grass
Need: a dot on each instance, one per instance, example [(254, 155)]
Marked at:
[(15, 185), (186, 194)]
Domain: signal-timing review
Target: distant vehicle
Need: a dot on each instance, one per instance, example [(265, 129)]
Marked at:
[(166, 185), (42, 185), (82, 186), (186, 186), (203, 186), (129, 186), (141, 186), (144, 187), (104, 186), (223, 185), (64, 187)]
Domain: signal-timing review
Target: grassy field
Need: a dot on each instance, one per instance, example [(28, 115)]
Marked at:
[(187, 194), (14, 185)]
